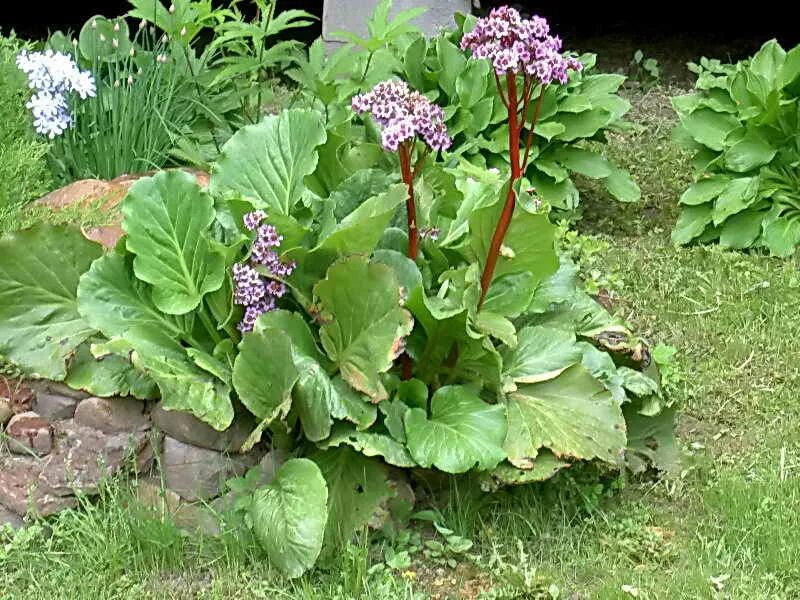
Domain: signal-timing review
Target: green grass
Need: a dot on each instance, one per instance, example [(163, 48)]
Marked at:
[(725, 527)]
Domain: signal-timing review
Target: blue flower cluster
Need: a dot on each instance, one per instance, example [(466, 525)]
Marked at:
[(53, 75)]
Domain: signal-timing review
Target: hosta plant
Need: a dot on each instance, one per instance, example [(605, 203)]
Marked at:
[(286, 293), (742, 123)]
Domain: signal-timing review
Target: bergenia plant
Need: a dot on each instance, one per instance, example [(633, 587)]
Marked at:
[(54, 76), (406, 116), (524, 54)]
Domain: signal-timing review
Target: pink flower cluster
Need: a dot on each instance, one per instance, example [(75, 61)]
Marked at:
[(256, 292), (404, 113), (519, 45)]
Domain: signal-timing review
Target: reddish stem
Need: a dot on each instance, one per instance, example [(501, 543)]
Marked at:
[(514, 129), (411, 207)]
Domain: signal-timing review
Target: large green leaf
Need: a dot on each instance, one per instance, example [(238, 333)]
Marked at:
[(114, 302), (741, 230), (167, 217), (117, 304), (183, 385), (573, 415), (542, 353), (529, 244), (356, 487), (369, 444), (710, 128), (782, 236), (265, 373), (748, 153), (364, 324), (583, 161), (737, 195), (267, 162), (621, 185), (462, 433), (361, 229), (691, 223), (289, 516), (40, 327), (704, 190), (109, 375), (651, 440)]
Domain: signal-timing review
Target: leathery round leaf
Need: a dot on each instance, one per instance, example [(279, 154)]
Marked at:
[(364, 324), (40, 326), (167, 217), (289, 516), (573, 415), (463, 432), (267, 162)]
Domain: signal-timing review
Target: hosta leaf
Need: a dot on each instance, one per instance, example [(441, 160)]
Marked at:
[(710, 128), (542, 353), (691, 223), (364, 323), (620, 185), (289, 516), (750, 152), (583, 161), (742, 230), (356, 487), (265, 373), (111, 375), (782, 236), (167, 218), (369, 444), (40, 326), (573, 415), (704, 190), (463, 432), (737, 195), (267, 162)]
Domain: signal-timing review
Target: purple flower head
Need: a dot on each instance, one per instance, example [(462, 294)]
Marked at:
[(256, 291), (253, 219), (517, 45), (404, 114)]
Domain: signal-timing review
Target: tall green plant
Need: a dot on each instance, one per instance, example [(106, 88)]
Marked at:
[(742, 123)]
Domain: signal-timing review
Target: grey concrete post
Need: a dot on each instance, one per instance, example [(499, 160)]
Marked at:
[(352, 15)]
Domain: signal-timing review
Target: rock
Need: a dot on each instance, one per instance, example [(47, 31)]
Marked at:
[(106, 196), (187, 428), (10, 519), (28, 432), (86, 456), (199, 473), (22, 492), (112, 415), (194, 517), (55, 406), (16, 394), (272, 461), (43, 386), (5, 412)]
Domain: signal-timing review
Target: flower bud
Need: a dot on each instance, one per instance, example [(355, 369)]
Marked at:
[(115, 43), (102, 38), (116, 27), (142, 24), (183, 31), (94, 23), (172, 9), (130, 80)]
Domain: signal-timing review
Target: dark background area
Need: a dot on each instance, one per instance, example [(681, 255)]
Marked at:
[(722, 29)]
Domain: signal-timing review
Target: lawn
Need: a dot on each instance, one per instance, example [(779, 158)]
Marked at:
[(724, 526)]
